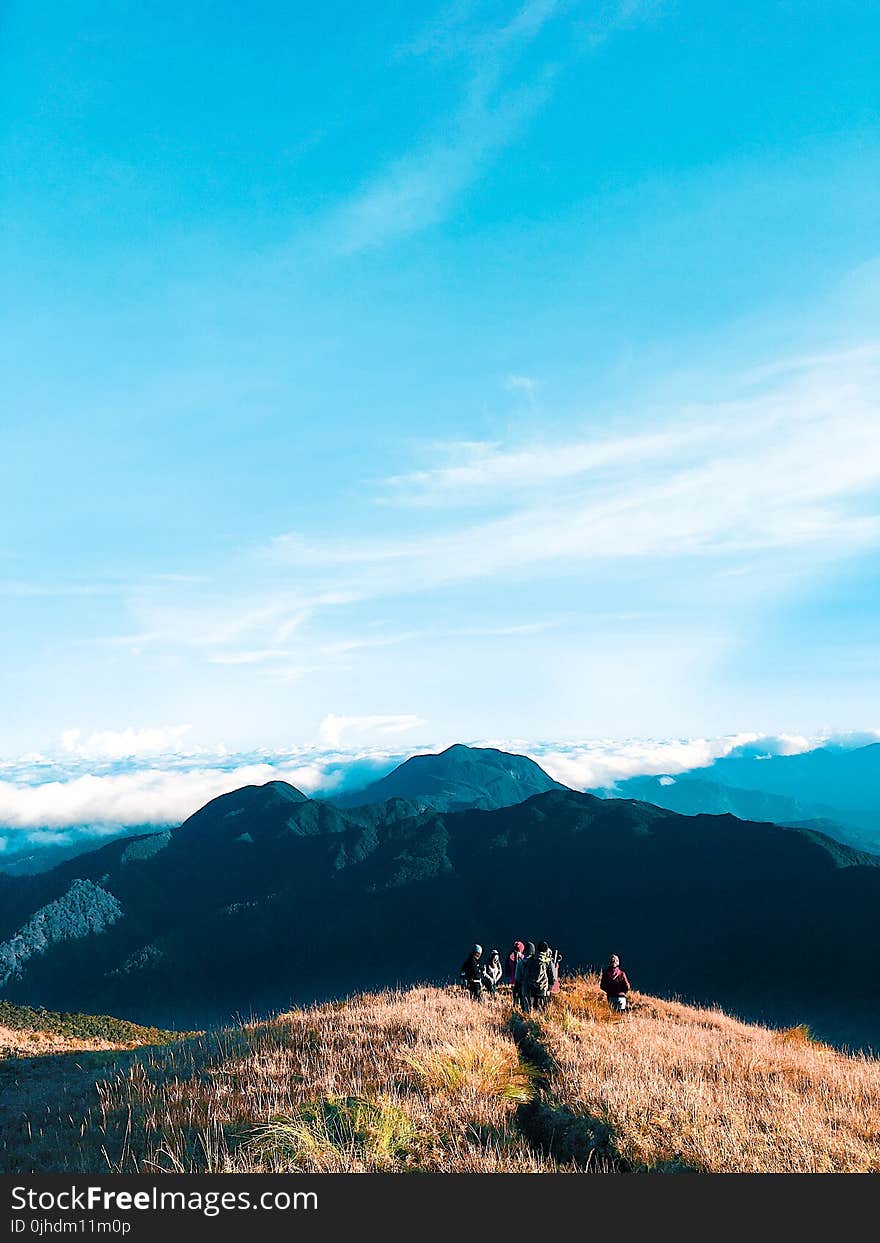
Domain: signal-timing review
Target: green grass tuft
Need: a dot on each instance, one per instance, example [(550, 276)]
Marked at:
[(337, 1131)]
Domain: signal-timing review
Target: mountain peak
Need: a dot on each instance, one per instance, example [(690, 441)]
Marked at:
[(458, 777), (269, 801), (282, 790)]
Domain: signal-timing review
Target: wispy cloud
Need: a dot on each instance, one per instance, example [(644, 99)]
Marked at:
[(498, 98), (253, 656), (795, 465), (419, 189), (614, 15), (786, 459), (478, 471), (335, 728), (524, 385)]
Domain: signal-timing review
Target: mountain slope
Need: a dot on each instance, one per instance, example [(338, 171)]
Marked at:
[(292, 898), (457, 778), (82, 912), (425, 1080), (25, 852)]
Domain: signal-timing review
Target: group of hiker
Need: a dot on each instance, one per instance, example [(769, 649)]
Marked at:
[(533, 972)]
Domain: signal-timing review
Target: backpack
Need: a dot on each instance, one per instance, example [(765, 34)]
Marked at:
[(539, 973)]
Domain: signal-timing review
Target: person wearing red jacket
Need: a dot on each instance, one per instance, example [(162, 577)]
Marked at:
[(614, 984), (515, 953)]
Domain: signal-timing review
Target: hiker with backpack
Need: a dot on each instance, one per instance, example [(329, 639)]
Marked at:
[(540, 974), (615, 985), (472, 973), (492, 972), (520, 990)]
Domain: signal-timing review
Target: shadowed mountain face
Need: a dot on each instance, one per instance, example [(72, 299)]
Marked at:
[(264, 896), (457, 778)]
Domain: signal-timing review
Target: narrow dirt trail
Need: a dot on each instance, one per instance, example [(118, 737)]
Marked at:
[(553, 1130)]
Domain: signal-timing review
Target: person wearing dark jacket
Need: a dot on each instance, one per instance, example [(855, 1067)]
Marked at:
[(540, 975), (615, 985), (520, 991), (472, 973), (512, 959), (492, 972)]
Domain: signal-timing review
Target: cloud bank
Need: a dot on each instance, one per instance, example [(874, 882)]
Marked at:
[(46, 802)]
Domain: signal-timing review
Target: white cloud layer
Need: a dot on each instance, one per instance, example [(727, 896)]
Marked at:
[(35, 810), (144, 796), (600, 764), (125, 744)]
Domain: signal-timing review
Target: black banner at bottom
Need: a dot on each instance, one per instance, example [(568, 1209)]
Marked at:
[(257, 1207)]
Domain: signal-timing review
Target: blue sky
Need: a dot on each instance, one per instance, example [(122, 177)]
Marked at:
[(423, 372)]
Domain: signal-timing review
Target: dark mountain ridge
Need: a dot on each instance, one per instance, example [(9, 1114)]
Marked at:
[(264, 896)]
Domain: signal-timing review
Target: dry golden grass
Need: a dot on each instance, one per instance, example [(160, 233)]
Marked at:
[(26, 1032), (687, 1087), (374, 1083), (427, 1080), (39, 1043)]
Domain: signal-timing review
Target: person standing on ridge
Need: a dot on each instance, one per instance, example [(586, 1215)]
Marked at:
[(540, 976), (472, 973), (512, 959), (492, 972), (615, 985), (520, 991)]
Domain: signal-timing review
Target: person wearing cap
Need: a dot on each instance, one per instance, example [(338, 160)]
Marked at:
[(472, 973)]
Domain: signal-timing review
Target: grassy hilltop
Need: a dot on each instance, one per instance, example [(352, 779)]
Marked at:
[(426, 1080)]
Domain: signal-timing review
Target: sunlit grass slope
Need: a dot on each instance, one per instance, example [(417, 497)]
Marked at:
[(426, 1080), (29, 1032)]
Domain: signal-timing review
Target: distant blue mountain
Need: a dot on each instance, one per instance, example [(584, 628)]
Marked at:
[(847, 780), (834, 790)]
